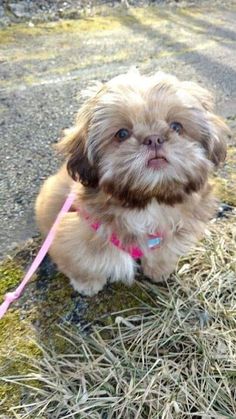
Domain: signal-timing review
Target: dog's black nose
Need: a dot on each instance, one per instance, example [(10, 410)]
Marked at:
[(154, 141)]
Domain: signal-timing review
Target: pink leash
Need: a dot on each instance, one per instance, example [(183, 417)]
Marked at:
[(153, 242), (12, 296)]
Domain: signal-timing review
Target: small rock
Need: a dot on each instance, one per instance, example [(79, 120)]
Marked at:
[(19, 9), (2, 12), (223, 210), (4, 21)]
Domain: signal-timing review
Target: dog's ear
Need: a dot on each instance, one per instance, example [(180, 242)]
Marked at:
[(217, 130), (203, 96), (74, 146), (78, 164)]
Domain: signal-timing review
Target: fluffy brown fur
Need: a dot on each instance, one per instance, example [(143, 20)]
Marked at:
[(151, 176)]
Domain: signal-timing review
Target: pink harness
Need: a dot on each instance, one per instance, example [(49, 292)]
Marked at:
[(134, 251), (154, 240)]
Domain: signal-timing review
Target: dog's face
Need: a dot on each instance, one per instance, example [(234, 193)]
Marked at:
[(139, 138)]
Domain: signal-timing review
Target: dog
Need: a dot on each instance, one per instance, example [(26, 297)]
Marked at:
[(138, 158)]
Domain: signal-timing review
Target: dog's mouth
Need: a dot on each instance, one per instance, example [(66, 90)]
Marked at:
[(158, 161)]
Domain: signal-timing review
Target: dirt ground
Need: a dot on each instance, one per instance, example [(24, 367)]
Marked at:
[(44, 66)]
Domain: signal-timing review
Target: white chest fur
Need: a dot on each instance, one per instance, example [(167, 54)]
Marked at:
[(153, 218)]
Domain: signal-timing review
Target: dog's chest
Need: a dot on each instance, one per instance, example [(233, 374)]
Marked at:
[(154, 218)]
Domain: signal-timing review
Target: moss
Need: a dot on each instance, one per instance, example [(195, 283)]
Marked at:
[(105, 20), (53, 303), (13, 339), (32, 319), (19, 32), (16, 338), (10, 274), (16, 334)]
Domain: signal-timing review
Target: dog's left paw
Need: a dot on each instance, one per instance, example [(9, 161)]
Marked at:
[(154, 274), (88, 289)]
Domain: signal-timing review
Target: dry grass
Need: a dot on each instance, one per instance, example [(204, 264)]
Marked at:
[(175, 359)]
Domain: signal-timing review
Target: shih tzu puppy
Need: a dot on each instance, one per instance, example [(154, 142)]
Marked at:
[(138, 158)]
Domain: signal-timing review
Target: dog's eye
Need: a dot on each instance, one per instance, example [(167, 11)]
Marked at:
[(177, 127), (122, 134)]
